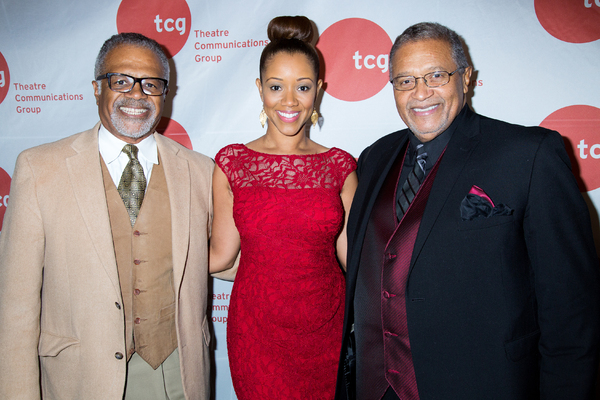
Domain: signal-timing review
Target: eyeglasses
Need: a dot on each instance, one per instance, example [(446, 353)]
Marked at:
[(432, 80), (124, 83)]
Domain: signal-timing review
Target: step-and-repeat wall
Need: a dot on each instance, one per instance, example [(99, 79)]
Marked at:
[(536, 63)]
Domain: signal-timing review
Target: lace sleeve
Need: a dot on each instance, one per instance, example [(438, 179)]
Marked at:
[(224, 160), (345, 163)]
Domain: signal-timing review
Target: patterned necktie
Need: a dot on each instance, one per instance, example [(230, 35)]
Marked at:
[(133, 183), (412, 183)]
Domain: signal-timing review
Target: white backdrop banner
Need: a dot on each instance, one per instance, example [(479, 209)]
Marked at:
[(536, 63)]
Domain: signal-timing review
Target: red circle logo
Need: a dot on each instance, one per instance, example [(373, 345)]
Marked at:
[(355, 55), (580, 127), (4, 189), (4, 78), (573, 21), (173, 130), (167, 22)]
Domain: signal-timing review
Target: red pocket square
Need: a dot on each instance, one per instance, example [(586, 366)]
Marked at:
[(478, 204), (476, 190)]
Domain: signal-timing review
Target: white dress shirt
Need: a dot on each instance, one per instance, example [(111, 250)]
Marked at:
[(111, 148)]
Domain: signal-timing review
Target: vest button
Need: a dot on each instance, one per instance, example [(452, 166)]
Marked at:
[(136, 233), (137, 262), (119, 356), (136, 291), (138, 320), (117, 305)]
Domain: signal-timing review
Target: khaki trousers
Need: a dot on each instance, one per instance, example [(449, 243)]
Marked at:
[(162, 383)]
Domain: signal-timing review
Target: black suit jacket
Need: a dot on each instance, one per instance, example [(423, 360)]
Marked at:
[(504, 307)]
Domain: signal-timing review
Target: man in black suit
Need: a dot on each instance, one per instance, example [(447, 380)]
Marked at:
[(485, 285)]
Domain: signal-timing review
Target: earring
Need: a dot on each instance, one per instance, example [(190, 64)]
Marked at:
[(314, 117), (262, 117)]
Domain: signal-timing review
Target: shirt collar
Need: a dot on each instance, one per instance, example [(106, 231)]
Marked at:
[(436, 146), (110, 147)]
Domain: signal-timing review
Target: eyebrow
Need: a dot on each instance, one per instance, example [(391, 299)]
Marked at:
[(138, 77), (281, 79), (433, 69)]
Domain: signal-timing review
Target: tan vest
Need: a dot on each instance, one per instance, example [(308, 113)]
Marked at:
[(145, 266)]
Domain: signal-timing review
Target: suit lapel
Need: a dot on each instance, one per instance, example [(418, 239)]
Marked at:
[(177, 175), (375, 176), (457, 154), (85, 175)]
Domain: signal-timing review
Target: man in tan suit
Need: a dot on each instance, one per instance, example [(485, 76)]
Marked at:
[(103, 251)]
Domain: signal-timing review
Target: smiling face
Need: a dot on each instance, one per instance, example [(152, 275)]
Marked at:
[(288, 91), (429, 111), (130, 116)]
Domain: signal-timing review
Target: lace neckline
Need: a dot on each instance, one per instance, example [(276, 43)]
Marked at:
[(286, 155)]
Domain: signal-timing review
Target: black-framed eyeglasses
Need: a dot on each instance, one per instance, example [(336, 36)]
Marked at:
[(123, 83), (432, 80)]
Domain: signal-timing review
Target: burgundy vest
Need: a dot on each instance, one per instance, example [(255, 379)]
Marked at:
[(380, 329)]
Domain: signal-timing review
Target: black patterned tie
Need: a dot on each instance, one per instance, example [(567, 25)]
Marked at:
[(133, 183), (412, 183)]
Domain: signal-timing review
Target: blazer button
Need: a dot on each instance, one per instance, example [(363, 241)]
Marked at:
[(119, 356), (137, 262), (137, 320), (136, 291), (136, 233), (117, 305)]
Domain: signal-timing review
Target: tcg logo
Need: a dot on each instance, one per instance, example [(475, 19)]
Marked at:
[(355, 58), (580, 127), (573, 21), (4, 78), (167, 22), (173, 130)]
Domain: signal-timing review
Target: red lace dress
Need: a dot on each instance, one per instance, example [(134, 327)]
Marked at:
[(286, 310)]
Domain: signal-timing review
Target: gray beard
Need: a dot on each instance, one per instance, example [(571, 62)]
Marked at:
[(121, 124)]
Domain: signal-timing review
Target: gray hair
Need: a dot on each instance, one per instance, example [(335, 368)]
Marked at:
[(431, 30), (133, 39)]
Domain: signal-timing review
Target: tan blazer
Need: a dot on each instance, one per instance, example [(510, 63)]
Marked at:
[(62, 328)]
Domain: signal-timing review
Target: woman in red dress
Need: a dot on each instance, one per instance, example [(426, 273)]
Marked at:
[(283, 200)]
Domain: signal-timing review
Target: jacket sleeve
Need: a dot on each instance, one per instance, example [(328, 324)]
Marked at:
[(21, 269), (566, 275)]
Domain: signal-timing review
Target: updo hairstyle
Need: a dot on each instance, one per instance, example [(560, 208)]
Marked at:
[(292, 35)]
